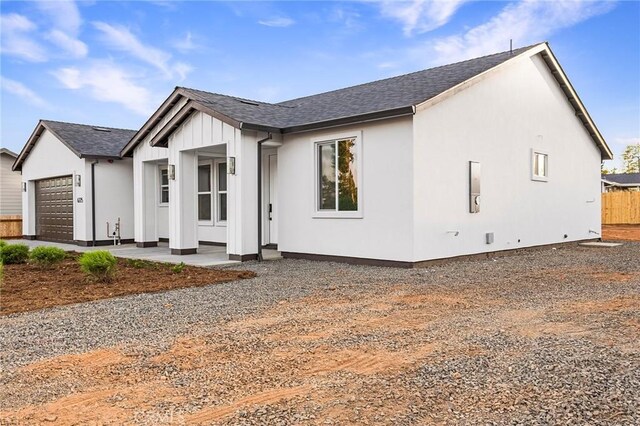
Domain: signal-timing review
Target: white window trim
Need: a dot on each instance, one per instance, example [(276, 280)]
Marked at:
[(211, 191), (217, 192), (534, 176), (160, 185), (329, 214)]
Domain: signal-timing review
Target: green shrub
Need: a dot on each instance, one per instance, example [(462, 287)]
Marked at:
[(99, 264), (14, 253), (47, 256), (178, 268), (2, 243)]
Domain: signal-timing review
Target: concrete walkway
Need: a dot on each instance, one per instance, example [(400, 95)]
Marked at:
[(206, 256)]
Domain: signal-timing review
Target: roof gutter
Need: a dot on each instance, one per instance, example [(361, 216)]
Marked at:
[(362, 118)]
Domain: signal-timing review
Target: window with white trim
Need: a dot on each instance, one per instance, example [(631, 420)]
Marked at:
[(221, 191), (205, 199), (539, 165), (337, 175), (164, 185)]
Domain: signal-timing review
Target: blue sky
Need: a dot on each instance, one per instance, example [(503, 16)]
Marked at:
[(112, 63)]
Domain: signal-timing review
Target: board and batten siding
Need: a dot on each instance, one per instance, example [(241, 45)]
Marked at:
[(498, 122), (10, 187), (151, 218), (199, 131)]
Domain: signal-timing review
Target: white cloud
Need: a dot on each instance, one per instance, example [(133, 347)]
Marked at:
[(420, 16), (185, 44), (16, 40), (73, 46), (120, 38), (280, 22), (63, 13), (20, 90), (182, 70), (107, 82), (525, 22), (65, 23)]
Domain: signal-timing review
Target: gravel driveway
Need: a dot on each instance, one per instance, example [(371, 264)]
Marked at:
[(549, 337)]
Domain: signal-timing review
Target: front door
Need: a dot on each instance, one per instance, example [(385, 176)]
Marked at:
[(273, 199)]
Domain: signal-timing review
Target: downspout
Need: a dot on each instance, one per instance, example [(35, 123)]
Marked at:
[(260, 142), (93, 202)]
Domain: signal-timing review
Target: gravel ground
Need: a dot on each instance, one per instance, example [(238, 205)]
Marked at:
[(548, 337)]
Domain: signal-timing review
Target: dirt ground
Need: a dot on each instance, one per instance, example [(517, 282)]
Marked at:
[(621, 232), (27, 287), (328, 354)]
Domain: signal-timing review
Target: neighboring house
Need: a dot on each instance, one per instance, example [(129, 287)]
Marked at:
[(390, 172), (76, 185), (621, 182), (10, 185)]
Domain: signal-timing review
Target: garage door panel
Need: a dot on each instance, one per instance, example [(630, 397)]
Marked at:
[(54, 208)]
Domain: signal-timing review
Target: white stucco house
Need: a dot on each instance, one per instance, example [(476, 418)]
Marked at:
[(491, 154), (75, 186)]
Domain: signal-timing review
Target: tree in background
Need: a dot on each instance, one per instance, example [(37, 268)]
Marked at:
[(605, 171), (631, 159)]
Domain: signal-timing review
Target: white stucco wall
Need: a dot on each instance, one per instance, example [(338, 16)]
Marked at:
[(51, 158), (10, 187), (497, 122), (114, 197), (385, 229)]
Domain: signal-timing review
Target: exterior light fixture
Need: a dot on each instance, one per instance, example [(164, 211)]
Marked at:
[(24, 186), (78, 180), (231, 166), (171, 171)]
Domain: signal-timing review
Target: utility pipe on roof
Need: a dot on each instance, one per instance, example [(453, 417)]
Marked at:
[(260, 142)]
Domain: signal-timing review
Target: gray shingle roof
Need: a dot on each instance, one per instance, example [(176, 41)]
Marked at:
[(382, 95), (623, 178), (91, 141)]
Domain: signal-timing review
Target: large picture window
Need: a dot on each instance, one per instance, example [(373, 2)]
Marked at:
[(204, 192), (337, 175)]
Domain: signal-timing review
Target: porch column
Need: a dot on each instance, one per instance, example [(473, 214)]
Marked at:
[(183, 199), (242, 210), (145, 189)]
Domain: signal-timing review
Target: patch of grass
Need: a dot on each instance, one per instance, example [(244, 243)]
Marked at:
[(47, 256), (177, 269), (99, 265), (14, 253), (141, 264)]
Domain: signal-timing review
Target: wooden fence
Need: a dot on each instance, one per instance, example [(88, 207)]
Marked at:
[(621, 207), (10, 226)]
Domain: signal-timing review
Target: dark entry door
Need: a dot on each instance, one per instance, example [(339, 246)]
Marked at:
[(54, 208)]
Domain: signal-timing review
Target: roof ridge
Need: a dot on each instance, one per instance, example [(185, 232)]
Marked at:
[(86, 125), (231, 96), (413, 72)]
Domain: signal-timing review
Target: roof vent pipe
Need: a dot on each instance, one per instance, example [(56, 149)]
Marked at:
[(260, 142)]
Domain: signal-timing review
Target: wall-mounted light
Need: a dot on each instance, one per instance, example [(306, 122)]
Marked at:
[(231, 166), (24, 186), (78, 180), (171, 171)]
